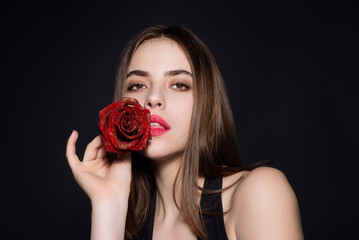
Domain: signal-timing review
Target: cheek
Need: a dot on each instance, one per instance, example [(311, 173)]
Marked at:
[(183, 112), (188, 107)]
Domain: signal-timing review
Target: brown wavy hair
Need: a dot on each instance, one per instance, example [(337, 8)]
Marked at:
[(211, 150)]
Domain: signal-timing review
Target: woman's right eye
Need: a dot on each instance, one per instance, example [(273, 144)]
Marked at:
[(136, 86)]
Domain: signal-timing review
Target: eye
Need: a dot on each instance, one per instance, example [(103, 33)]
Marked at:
[(135, 86), (180, 86)]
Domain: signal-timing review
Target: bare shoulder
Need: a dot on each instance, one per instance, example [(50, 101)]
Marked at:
[(261, 180), (264, 199), (264, 180)]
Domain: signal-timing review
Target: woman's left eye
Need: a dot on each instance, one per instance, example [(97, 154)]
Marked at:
[(180, 86)]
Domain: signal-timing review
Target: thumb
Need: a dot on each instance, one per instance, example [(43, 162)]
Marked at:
[(72, 158)]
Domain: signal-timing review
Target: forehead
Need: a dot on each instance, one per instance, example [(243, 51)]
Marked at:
[(159, 53)]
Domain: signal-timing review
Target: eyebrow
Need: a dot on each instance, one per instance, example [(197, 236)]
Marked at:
[(177, 72), (167, 73), (137, 73)]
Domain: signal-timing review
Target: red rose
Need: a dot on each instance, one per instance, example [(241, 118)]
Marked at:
[(124, 125)]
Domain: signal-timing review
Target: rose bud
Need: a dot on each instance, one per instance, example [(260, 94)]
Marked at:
[(124, 126)]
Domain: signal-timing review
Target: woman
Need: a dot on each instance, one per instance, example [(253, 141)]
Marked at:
[(189, 182)]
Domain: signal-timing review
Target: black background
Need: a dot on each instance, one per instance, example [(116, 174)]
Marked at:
[(291, 69)]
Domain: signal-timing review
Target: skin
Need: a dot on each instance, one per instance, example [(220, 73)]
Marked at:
[(170, 97), (262, 204)]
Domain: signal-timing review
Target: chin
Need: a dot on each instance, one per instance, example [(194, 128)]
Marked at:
[(165, 147), (162, 152)]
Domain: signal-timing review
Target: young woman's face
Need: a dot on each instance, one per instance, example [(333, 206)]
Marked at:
[(160, 78)]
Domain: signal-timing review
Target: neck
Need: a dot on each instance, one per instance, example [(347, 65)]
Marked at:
[(165, 175)]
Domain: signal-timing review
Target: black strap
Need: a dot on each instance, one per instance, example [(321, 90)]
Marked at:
[(212, 203)]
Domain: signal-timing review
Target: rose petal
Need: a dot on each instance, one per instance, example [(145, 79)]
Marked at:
[(112, 132), (124, 117), (107, 146), (142, 144), (127, 145), (129, 135), (129, 125), (125, 101), (103, 122)]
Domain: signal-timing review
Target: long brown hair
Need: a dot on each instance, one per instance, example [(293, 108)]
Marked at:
[(211, 149)]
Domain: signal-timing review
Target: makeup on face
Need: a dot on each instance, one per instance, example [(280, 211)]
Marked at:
[(160, 77), (158, 126)]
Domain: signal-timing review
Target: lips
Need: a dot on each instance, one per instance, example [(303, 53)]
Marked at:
[(158, 126)]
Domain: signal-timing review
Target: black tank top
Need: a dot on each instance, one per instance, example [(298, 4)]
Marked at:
[(214, 224)]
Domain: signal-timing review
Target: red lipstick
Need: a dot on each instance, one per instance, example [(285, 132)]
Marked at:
[(158, 126)]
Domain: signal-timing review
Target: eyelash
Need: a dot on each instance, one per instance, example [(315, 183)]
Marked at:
[(139, 86), (181, 85)]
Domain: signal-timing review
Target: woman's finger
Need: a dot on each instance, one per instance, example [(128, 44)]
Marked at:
[(101, 153), (71, 151), (92, 149)]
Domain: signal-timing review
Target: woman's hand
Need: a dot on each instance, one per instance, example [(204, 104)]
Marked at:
[(107, 182), (101, 177)]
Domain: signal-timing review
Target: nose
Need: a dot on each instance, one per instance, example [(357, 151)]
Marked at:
[(155, 102)]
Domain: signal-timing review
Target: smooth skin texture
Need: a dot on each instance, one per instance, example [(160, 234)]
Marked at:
[(106, 183), (262, 204), (166, 90)]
